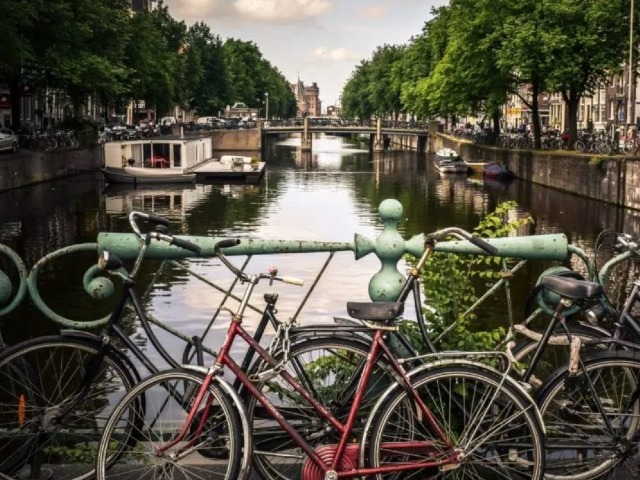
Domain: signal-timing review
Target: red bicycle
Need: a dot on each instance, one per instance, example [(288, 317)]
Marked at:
[(453, 417)]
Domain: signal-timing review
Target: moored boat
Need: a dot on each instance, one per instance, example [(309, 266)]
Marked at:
[(496, 170), (447, 154), (167, 159), (475, 167), (450, 166), (230, 168)]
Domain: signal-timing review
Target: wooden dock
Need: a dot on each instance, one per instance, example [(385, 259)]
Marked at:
[(215, 171)]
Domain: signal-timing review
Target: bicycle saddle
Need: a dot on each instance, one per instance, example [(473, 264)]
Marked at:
[(375, 311), (571, 287)]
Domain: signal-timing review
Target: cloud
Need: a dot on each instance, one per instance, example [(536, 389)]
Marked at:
[(281, 11), (337, 54), (374, 11)]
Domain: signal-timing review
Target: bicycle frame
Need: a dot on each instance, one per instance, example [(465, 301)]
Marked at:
[(378, 346)]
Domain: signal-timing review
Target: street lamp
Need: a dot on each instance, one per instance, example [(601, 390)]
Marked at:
[(266, 115)]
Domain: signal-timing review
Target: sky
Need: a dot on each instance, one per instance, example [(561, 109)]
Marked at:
[(319, 41)]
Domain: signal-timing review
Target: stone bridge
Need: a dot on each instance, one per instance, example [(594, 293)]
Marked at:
[(379, 131), (412, 135)]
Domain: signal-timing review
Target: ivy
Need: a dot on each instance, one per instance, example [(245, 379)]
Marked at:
[(448, 283)]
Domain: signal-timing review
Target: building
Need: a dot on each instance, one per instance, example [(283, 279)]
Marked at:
[(607, 107), (333, 111), (240, 110), (307, 99)]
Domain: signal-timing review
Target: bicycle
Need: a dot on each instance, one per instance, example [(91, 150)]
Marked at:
[(56, 391), (588, 315), (499, 434), (626, 363), (590, 406)]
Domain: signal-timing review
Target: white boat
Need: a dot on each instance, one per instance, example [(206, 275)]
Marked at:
[(451, 166), (230, 168), (168, 159), (475, 167), (447, 154)]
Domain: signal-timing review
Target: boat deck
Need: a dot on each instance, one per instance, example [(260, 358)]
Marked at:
[(213, 170)]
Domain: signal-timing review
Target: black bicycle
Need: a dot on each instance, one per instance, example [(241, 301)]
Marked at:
[(57, 391)]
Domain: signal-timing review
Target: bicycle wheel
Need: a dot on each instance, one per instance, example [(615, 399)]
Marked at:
[(169, 396), (555, 356), (58, 420), (328, 368), (492, 428), (580, 146), (579, 444), (16, 410), (603, 148)]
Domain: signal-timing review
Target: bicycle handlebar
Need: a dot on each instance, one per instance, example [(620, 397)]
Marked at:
[(463, 235), (160, 234), (626, 241), (272, 275)]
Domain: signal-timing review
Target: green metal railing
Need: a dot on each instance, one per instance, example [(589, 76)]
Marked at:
[(385, 284)]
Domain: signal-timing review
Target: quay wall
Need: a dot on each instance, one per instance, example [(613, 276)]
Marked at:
[(28, 167), (611, 179), (235, 140)]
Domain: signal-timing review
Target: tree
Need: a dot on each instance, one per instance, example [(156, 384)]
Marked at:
[(16, 23), (586, 44), (356, 102)]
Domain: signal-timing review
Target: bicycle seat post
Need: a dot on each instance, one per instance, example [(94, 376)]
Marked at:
[(557, 317)]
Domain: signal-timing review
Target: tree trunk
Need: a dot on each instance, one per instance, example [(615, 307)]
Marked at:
[(16, 94), (535, 114), (496, 123), (572, 106)]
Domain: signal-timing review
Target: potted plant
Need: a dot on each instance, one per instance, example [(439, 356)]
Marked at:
[(255, 162), (237, 164)]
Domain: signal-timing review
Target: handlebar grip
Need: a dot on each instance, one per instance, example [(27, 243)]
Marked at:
[(228, 242), (157, 220), (293, 281), (187, 245), (487, 247)]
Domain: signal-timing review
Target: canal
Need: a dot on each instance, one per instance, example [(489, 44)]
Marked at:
[(328, 194)]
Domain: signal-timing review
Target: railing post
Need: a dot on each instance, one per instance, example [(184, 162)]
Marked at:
[(378, 143), (305, 141)]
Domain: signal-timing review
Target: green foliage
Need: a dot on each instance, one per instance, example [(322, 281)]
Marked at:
[(473, 54), (86, 453), (81, 49), (448, 282)]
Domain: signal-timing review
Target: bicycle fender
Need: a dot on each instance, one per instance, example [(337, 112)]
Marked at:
[(245, 465), (438, 364), (93, 338)]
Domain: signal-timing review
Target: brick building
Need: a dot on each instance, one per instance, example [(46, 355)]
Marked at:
[(307, 99)]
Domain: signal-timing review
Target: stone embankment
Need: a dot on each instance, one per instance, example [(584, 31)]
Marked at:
[(613, 179), (28, 167)]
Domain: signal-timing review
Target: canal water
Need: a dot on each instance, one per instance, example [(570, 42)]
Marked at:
[(329, 194)]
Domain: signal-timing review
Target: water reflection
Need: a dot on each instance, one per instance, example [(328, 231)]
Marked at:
[(327, 194)]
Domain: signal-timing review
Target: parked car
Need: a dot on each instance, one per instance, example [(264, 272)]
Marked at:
[(8, 140), (130, 132)]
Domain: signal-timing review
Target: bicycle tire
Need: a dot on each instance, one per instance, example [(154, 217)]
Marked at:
[(14, 448), (329, 368), (501, 438), (603, 148), (53, 369), (580, 146), (555, 356), (578, 446), (164, 418)]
